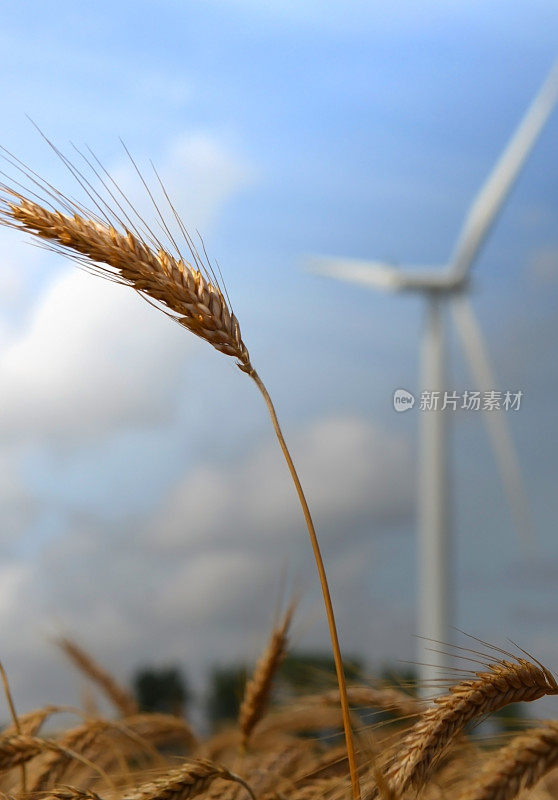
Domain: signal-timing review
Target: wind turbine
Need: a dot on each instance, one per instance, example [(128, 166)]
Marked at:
[(440, 287)]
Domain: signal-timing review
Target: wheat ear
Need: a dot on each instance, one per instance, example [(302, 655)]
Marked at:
[(185, 292), (504, 682), (196, 302), (519, 765), (258, 688), (77, 740), (72, 793), (18, 749), (188, 781), (122, 699), (30, 723)]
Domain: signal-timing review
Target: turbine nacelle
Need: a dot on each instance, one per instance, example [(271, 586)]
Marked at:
[(382, 275)]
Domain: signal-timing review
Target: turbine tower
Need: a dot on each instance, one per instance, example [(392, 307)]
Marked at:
[(440, 287)]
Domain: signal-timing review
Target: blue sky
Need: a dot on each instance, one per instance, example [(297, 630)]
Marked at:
[(281, 130)]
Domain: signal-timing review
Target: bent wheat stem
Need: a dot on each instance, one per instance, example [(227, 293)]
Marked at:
[(323, 582)]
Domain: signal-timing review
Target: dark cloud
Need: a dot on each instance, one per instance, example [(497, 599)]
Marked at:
[(198, 580)]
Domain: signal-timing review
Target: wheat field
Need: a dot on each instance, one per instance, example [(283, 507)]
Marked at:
[(293, 751)]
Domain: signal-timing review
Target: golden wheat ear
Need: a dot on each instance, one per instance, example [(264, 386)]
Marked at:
[(518, 766), (178, 287), (501, 683), (258, 689), (115, 242), (190, 780)]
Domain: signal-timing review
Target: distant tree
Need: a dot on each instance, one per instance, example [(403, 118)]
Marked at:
[(162, 689), (226, 687)]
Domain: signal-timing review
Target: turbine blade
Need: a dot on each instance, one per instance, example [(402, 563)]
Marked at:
[(374, 274), (491, 197), (497, 427)]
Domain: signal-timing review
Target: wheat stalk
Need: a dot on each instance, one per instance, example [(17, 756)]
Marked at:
[(340, 672), (119, 696), (196, 301), (504, 682), (519, 765), (258, 688)]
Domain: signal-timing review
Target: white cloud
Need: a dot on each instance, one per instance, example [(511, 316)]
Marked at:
[(200, 173), (209, 584), (18, 506), (19, 266), (348, 467), (14, 579), (94, 357), (350, 471)]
